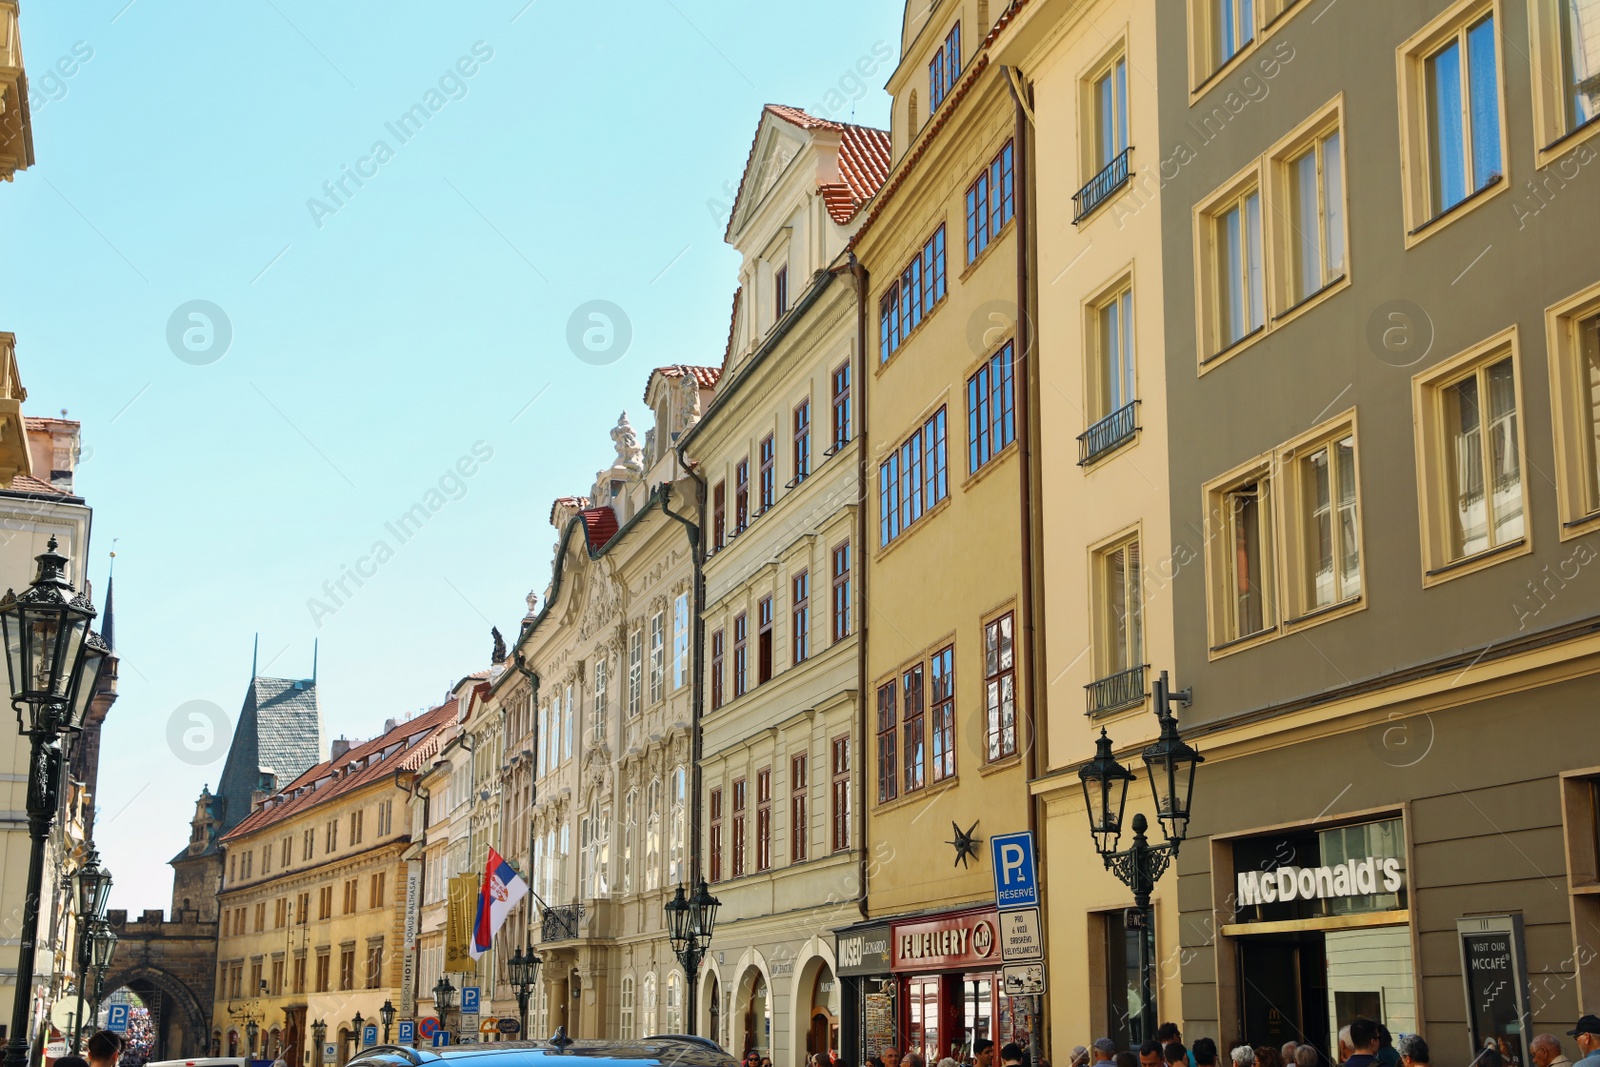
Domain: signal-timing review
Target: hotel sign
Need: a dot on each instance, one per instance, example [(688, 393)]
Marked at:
[(947, 941)]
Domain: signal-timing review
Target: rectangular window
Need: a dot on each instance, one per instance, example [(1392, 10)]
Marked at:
[(288, 852), (1237, 297), (635, 672), (942, 715), (801, 617), (658, 656), (1246, 551), (1108, 94), (764, 640), (356, 828), (841, 592), (839, 799), (1113, 384), (991, 201), (1231, 26), (780, 291), (375, 965), (680, 640), (769, 485), (799, 822), (1566, 72), (991, 409), (912, 296), (299, 972), (322, 972), (741, 496), (802, 441), (719, 515), (375, 891), (717, 638), (261, 917), (1471, 450), (347, 968), (1313, 225), (1119, 617), (351, 894), (325, 902), (1328, 554), (602, 699), (764, 819), (302, 908), (944, 69), (914, 751), (741, 629), (568, 712), (841, 407), (715, 805), (307, 842), (1573, 327), (913, 479), (888, 723), (1000, 687), (738, 827), (333, 835), (280, 913)]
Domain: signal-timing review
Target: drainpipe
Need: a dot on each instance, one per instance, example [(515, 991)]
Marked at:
[(859, 567), (533, 775), (1031, 632), (697, 650)]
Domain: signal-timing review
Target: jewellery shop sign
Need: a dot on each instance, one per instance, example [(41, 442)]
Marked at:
[(946, 942)]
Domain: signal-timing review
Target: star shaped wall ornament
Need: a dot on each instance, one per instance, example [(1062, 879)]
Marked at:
[(966, 844)]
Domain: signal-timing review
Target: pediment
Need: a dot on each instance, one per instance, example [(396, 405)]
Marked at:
[(777, 145)]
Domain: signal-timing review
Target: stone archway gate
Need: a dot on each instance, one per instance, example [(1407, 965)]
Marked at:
[(174, 963)]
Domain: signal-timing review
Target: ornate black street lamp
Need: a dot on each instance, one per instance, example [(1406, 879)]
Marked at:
[(54, 663), (103, 946), (690, 921), (443, 998), (386, 1013), (94, 891), (319, 1031), (251, 1030), (524, 968), (1171, 764), (360, 1038)]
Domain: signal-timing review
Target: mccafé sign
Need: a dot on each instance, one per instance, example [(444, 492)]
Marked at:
[(947, 941)]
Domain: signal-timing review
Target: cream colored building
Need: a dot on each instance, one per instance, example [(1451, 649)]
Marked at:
[(780, 458), (313, 897)]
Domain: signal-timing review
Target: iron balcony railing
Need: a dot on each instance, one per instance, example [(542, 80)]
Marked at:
[(560, 923), (1108, 433), (1120, 690), (1111, 178)]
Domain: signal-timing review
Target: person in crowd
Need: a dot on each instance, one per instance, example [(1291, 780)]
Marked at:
[(1080, 1056), (1267, 1056), (103, 1049), (1103, 1050), (1414, 1051), (1011, 1054), (1168, 1034), (1150, 1055), (1388, 1055), (890, 1057), (1344, 1044), (70, 1061), (1125, 1059), (1544, 1048), (1490, 1056), (1287, 1052), (1175, 1055), (1204, 1052), (874, 1061), (752, 1058), (766, 1061), (949, 1061), (1305, 1056), (1244, 1056), (913, 1059), (1363, 1043), (983, 1052)]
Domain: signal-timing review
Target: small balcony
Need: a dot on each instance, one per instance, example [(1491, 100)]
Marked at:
[(1107, 434), (1117, 691), (560, 923), (1112, 176)]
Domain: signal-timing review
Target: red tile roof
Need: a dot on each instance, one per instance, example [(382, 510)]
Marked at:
[(27, 483), (863, 163), (417, 740), (576, 503), (33, 423), (599, 526), (705, 377)]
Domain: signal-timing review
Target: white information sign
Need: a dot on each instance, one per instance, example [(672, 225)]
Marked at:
[(1021, 938)]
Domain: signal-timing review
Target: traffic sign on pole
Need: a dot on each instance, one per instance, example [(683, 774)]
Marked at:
[(1016, 883), (117, 1019), (408, 1031)]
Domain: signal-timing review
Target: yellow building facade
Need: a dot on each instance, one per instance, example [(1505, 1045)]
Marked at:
[(313, 900)]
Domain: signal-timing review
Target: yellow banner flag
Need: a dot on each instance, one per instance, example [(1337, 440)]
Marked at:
[(462, 913)]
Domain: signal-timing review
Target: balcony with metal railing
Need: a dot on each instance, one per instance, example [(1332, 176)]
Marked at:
[(1108, 433), (1095, 192), (560, 923), (1114, 692)]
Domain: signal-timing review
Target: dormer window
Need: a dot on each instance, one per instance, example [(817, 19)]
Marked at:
[(780, 292), (944, 69)]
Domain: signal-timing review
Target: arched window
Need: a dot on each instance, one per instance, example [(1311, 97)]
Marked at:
[(630, 831), (594, 841), (676, 828), (674, 1003), (652, 838), (647, 1022), (627, 1007)]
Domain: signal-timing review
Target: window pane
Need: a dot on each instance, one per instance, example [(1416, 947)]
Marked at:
[(1504, 454), (1105, 109), (1483, 84), (1249, 595), (1319, 530), (1580, 48), (1230, 273), (1121, 73), (1305, 227), (1464, 476), (1349, 543), (1256, 279), (1589, 406), (1447, 164), (1332, 207)]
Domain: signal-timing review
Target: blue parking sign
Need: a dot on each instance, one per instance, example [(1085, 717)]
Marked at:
[(408, 1031), (369, 1035), (117, 1018), (1016, 883), (469, 1000)]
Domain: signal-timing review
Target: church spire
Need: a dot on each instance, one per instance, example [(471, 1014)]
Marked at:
[(107, 629)]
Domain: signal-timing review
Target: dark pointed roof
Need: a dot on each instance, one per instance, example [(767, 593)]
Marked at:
[(277, 738), (107, 630)]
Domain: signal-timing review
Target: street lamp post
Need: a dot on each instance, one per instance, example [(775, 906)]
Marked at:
[(443, 996), (690, 921), (1170, 763), (94, 890), (524, 968), (319, 1031), (251, 1030), (54, 663), (387, 1014), (104, 946), (360, 1036)]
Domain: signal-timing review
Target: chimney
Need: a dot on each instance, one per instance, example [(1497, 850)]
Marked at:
[(340, 747), (389, 725)]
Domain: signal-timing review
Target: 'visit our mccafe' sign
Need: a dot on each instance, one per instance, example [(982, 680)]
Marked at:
[(949, 941), (1352, 878)]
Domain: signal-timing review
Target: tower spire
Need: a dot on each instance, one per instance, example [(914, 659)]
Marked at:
[(107, 629), (255, 656), (314, 642)]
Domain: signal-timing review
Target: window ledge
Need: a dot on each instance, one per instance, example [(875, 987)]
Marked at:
[(1460, 209), (994, 461), (1327, 614), (1211, 362), (1566, 142), (977, 261), (1240, 644), (909, 532), (905, 342), (1003, 764), (1478, 560)]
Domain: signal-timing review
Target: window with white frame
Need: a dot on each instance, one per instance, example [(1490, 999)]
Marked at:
[(680, 640), (635, 672), (658, 655), (674, 1013), (652, 836), (625, 1001), (647, 1023), (677, 830), (602, 707)]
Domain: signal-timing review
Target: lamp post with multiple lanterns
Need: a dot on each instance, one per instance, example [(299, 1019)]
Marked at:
[(1171, 764), (103, 946), (443, 999), (54, 662), (94, 891), (524, 968), (690, 920), (319, 1031), (386, 1013)]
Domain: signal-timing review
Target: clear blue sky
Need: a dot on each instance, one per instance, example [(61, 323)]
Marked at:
[(370, 352)]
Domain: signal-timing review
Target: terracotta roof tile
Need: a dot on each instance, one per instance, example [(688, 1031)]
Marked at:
[(576, 503), (599, 526), (27, 483), (34, 423), (705, 377), (863, 162)]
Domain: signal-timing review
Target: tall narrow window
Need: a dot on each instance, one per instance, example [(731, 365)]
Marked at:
[(839, 799), (841, 591), (715, 806), (1233, 25), (680, 640), (658, 656), (764, 819), (914, 751), (841, 407), (738, 827), (769, 488), (652, 836), (1240, 284), (569, 730), (1119, 629), (1248, 602), (942, 715), (602, 703), (1579, 27), (888, 723), (1463, 115), (1574, 327), (635, 672), (801, 617), (677, 826), (719, 515), (626, 1008), (630, 834), (990, 202), (764, 640), (1316, 217), (1115, 385), (716, 669), (991, 409), (1000, 687), (741, 496), (802, 441), (780, 291), (741, 655), (1110, 96), (1330, 550), (944, 69), (799, 823), (1483, 468)]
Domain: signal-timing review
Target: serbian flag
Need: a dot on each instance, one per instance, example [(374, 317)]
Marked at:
[(503, 888)]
